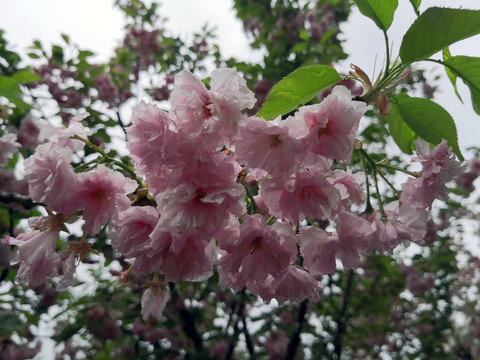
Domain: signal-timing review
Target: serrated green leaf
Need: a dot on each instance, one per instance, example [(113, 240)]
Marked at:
[(468, 69), (11, 90), (298, 88), (380, 11), (400, 131), (428, 120), (25, 76), (436, 29), (451, 76)]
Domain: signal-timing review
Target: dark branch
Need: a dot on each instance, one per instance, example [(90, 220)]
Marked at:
[(188, 321), (14, 198), (120, 122), (236, 332), (248, 339), (341, 320), (295, 340)]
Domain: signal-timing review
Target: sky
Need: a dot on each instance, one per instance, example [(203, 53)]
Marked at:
[(96, 25)]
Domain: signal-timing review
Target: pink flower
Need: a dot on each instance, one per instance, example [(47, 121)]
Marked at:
[(349, 186), (318, 250), (28, 132), (439, 167), (36, 250), (401, 225), (51, 179), (178, 255), (332, 124), (130, 229), (293, 284), (150, 141), (62, 136), (269, 145), (260, 251), (8, 146), (100, 193), (354, 234), (154, 300), (204, 196), (308, 194), (68, 270), (216, 113)]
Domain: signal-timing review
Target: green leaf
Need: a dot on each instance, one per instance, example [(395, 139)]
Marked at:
[(298, 88), (416, 5), (57, 54), (468, 69), (66, 38), (33, 56), (428, 120), (452, 77), (380, 11), (11, 90), (400, 131), (26, 76), (9, 323), (436, 29)]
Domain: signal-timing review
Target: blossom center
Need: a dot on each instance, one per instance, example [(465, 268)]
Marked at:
[(255, 244), (275, 140), (322, 131), (201, 194)]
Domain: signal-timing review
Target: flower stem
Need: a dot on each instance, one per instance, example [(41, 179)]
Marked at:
[(110, 159)]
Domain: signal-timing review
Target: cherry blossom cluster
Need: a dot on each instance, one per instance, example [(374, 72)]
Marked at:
[(227, 191)]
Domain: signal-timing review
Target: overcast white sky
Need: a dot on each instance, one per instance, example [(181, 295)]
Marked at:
[(94, 24)]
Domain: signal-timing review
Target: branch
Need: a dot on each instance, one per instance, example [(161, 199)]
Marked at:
[(120, 122), (236, 331), (295, 341), (188, 321), (15, 198), (341, 321), (248, 339)]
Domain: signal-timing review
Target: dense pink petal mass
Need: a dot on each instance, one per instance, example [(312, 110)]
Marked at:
[(268, 145), (51, 179), (179, 255), (259, 252), (36, 250), (296, 285), (129, 230), (309, 194), (319, 250), (438, 168), (205, 196), (100, 193), (215, 113), (332, 124), (150, 139), (355, 235)]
